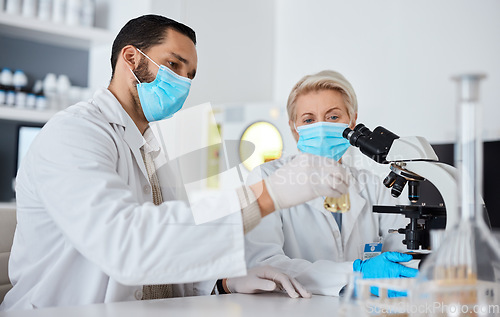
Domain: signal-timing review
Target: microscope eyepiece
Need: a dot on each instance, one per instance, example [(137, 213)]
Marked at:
[(347, 133), (361, 128), (374, 144)]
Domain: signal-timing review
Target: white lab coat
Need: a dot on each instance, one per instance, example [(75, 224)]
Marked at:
[(88, 231), (305, 241)]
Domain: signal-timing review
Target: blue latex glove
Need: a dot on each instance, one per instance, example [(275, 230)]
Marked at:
[(385, 266)]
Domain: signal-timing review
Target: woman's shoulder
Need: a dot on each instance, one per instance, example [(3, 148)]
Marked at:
[(264, 170)]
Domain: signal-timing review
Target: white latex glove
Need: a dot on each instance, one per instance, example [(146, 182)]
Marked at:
[(304, 178), (266, 279)]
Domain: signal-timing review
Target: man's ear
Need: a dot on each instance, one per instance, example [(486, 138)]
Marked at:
[(130, 56), (294, 132)]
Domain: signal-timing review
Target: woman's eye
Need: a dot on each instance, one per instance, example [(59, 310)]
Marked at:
[(308, 120), (333, 118)]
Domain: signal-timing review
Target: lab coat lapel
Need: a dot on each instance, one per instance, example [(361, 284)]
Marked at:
[(318, 203), (358, 203), (115, 114), (134, 141)]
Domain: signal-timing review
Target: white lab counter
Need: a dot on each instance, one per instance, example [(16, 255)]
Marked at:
[(234, 305)]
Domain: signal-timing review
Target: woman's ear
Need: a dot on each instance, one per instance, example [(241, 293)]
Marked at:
[(294, 131), (353, 122)]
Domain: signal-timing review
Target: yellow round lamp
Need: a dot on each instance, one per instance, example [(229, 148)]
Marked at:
[(267, 141)]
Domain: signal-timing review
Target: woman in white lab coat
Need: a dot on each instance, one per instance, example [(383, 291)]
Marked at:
[(307, 241)]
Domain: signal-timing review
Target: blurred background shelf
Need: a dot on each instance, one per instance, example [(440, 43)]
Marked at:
[(51, 33), (27, 115), (7, 205)]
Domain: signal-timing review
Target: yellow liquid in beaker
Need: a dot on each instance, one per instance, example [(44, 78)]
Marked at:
[(340, 204)]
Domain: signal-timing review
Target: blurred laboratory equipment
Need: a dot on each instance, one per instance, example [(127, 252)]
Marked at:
[(50, 90), (350, 302), (44, 9), (463, 275), (40, 99), (58, 11), (87, 16), (6, 87), (20, 83), (79, 13), (72, 16), (357, 298), (54, 92), (63, 86), (29, 8), (13, 6)]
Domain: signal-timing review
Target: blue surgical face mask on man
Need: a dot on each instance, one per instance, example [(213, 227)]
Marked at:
[(324, 139), (165, 95)]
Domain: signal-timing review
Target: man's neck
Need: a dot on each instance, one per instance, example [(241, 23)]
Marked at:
[(126, 99)]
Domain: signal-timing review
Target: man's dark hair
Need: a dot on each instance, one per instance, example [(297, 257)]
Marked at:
[(144, 32)]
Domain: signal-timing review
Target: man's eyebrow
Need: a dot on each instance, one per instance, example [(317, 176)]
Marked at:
[(180, 58)]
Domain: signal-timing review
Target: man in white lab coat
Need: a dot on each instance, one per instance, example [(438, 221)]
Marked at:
[(98, 222)]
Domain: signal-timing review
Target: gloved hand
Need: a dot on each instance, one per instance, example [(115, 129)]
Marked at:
[(385, 266), (266, 279), (306, 177)]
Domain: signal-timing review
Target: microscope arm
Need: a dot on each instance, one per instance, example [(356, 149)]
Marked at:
[(444, 177)]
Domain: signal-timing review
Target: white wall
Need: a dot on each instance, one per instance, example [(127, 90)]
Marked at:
[(399, 56), (235, 47), (111, 15)]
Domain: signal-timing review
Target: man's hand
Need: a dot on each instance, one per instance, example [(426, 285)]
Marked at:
[(304, 178), (266, 279)]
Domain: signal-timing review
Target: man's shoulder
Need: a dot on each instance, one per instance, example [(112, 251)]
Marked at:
[(83, 109), (83, 114), (78, 125)]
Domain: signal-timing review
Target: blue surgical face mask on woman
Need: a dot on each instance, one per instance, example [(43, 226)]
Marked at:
[(165, 95), (324, 139)]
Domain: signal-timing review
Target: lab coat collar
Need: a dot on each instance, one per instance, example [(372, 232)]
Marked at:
[(111, 108), (358, 203), (151, 144)]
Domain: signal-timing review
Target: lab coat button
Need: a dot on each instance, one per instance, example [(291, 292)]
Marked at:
[(147, 189), (138, 294), (336, 234)]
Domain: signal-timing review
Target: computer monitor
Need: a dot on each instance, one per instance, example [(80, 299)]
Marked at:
[(26, 134), (491, 174)]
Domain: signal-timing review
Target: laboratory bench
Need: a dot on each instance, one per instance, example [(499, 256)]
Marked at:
[(234, 305)]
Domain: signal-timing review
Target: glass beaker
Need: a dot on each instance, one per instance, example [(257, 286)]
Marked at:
[(462, 276), (340, 204)]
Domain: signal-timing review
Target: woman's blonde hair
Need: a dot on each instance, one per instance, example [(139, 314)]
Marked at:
[(326, 79)]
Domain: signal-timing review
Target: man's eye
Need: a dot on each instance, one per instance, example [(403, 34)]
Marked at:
[(172, 64)]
